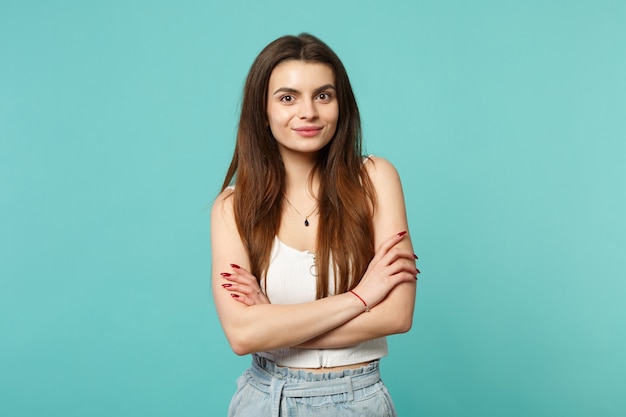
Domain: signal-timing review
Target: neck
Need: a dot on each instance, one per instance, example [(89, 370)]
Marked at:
[(298, 170)]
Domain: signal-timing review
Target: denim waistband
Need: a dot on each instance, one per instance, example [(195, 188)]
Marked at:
[(288, 382)]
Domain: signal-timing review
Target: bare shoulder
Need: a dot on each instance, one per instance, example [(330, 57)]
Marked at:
[(223, 215), (381, 172), (223, 204)]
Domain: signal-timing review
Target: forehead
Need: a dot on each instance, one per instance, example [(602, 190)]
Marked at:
[(301, 75)]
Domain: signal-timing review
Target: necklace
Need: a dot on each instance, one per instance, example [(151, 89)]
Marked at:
[(306, 218)]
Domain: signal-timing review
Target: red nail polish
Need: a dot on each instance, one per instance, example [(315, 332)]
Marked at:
[(235, 295), (225, 274), (227, 285), (415, 256), (235, 266), (402, 233)]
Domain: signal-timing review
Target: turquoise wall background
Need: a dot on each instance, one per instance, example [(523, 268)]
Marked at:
[(505, 119)]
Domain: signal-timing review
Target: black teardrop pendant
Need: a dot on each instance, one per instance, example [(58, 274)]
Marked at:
[(306, 222)]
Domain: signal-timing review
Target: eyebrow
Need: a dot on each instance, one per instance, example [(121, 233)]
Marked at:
[(293, 90)]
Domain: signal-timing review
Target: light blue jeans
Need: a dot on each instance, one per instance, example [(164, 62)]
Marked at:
[(269, 390)]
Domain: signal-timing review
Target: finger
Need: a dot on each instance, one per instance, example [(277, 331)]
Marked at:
[(242, 278), (248, 291), (402, 266), (386, 245), (402, 272), (395, 254), (249, 300), (239, 271), (241, 299), (247, 276), (404, 277)]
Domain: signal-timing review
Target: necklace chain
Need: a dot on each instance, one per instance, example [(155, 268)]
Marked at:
[(306, 218)]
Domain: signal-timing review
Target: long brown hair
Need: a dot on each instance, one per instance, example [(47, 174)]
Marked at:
[(346, 197)]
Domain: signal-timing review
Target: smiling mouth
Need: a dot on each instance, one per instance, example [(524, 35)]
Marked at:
[(308, 129)]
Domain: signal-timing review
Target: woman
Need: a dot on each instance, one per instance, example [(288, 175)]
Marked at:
[(312, 264)]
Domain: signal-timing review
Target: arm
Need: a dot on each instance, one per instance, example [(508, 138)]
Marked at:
[(259, 327), (395, 313)]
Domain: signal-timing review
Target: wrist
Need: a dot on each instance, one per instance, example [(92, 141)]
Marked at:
[(367, 308)]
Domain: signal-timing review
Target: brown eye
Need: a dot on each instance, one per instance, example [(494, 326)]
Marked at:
[(324, 96)]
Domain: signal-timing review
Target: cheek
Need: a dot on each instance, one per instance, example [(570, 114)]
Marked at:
[(272, 123), (333, 113), (333, 118), (278, 116), (334, 129), (276, 122)]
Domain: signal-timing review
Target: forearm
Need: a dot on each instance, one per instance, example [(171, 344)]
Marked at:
[(392, 316), (269, 326), (252, 325), (355, 331)]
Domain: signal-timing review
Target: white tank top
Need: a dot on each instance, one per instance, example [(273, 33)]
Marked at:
[(291, 280)]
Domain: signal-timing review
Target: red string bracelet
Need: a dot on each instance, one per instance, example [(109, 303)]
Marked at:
[(367, 309)]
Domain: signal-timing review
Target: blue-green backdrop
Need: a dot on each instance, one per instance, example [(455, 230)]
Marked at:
[(506, 120)]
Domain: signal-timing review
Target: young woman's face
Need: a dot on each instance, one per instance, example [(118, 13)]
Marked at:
[(302, 108)]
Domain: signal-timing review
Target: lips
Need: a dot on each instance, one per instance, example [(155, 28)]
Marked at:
[(308, 131)]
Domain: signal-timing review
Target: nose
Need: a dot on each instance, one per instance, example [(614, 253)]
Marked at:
[(307, 110)]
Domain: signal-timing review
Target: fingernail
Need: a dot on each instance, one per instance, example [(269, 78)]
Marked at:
[(418, 271), (235, 295), (227, 285), (235, 266), (402, 233), (415, 256), (225, 274)]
